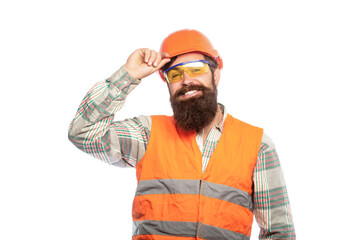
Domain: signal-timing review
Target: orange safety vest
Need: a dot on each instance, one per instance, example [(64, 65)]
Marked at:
[(175, 200)]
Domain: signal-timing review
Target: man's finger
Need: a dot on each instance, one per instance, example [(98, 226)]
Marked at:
[(146, 55), (157, 59), (153, 55), (163, 62), (164, 55)]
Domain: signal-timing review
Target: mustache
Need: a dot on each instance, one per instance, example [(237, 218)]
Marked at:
[(188, 88)]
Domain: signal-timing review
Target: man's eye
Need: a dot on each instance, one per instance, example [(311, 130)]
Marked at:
[(196, 70), (176, 75)]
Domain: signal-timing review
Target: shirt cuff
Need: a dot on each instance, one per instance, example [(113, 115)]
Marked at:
[(121, 76)]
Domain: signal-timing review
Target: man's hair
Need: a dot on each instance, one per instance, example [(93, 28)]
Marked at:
[(213, 65)]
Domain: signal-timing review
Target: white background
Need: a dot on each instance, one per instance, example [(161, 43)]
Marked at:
[(294, 68)]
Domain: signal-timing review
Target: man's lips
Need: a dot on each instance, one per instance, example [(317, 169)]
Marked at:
[(190, 94), (189, 90)]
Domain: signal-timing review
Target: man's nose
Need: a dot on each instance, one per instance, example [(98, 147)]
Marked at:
[(186, 80)]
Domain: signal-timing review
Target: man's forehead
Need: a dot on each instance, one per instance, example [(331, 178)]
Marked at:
[(188, 57)]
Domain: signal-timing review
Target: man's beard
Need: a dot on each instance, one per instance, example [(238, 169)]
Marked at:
[(196, 112)]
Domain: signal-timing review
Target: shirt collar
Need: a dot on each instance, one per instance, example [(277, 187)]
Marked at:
[(220, 125)]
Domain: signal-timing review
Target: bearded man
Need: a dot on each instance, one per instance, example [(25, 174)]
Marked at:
[(201, 173)]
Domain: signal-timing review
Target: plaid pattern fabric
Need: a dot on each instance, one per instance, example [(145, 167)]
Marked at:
[(211, 141), (123, 144), (94, 131), (272, 209), (209, 147)]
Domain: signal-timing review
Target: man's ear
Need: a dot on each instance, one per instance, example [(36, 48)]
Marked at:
[(217, 76)]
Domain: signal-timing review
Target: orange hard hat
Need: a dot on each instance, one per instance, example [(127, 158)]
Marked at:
[(188, 40)]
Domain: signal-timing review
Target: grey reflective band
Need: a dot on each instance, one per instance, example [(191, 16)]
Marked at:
[(227, 193), (169, 228), (168, 186), (185, 229), (215, 233), (187, 186)]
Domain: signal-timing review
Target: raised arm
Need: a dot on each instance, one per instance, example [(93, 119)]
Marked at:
[(120, 143)]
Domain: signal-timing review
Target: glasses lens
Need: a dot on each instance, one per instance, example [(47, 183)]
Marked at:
[(196, 69), (193, 69), (175, 74)]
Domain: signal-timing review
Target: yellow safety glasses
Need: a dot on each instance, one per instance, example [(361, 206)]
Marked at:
[(192, 68)]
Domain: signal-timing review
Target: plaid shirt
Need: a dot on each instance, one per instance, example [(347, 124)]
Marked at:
[(123, 144)]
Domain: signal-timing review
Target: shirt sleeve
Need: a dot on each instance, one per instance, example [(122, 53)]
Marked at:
[(272, 209), (119, 143)]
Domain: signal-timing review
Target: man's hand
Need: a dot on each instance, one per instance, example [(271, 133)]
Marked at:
[(143, 62)]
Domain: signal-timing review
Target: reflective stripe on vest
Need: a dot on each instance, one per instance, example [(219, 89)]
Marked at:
[(175, 199), (186, 186), (180, 229), (184, 229)]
